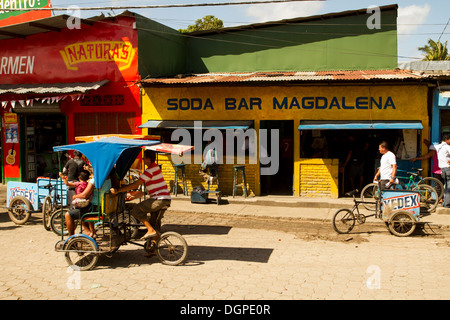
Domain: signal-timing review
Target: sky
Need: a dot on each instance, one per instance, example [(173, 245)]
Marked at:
[(417, 21)]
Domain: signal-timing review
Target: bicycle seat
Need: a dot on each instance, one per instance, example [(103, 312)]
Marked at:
[(413, 173), (418, 169), (351, 193)]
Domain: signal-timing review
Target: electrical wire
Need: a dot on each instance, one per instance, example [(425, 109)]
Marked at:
[(160, 6)]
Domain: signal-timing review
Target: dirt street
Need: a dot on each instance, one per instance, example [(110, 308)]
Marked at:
[(235, 257)]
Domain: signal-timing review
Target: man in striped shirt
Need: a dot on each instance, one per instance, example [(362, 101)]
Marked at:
[(157, 189)]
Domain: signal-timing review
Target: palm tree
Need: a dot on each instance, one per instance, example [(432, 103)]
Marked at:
[(435, 51)]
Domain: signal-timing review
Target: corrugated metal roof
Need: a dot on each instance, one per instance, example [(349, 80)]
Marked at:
[(301, 76), (79, 87)]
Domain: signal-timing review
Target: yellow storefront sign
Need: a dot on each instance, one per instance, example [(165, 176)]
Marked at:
[(286, 102), (121, 52)]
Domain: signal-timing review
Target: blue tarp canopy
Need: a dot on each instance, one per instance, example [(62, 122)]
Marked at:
[(336, 125), (204, 124), (107, 152)]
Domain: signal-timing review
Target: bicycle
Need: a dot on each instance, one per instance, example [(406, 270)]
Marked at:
[(415, 179), (400, 222), (429, 198), (50, 203)]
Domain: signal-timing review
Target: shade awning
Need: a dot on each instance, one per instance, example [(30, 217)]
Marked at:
[(118, 135), (357, 125), (103, 154), (178, 149), (55, 88), (204, 124)]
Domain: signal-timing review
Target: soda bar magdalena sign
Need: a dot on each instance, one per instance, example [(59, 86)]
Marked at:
[(285, 103)]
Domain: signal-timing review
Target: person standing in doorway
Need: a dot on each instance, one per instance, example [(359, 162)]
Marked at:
[(432, 153), (443, 152), (388, 166)]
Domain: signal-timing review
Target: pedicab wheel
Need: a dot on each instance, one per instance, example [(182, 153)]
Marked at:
[(81, 253), (370, 193), (47, 208), (343, 221), (171, 248), (19, 210), (55, 222), (402, 223)]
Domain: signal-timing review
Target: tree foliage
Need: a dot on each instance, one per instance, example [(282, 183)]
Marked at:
[(206, 23), (435, 51)]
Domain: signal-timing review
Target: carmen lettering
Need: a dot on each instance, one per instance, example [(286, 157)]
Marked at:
[(17, 65)]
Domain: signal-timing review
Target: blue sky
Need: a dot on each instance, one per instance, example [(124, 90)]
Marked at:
[(417, 22)]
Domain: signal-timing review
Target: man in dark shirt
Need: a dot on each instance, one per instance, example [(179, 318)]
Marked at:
[(72, 169)]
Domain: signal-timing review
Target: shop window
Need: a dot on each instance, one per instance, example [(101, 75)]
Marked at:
[(445, 122), (105, 123)]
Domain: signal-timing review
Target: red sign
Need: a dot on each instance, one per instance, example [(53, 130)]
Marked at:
[(8, 17), (104, 50), (11, 155)]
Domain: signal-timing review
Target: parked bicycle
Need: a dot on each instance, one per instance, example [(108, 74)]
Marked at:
[(415, 178), (51, 203), (429, 196)]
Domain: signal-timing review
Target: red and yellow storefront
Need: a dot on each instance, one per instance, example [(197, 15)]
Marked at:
[(65, 83)]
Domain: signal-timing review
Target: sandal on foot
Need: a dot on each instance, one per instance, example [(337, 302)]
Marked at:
[(149, 235)]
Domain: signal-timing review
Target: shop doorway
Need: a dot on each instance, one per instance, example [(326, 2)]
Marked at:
[(358, 168), (39, 134), (280, 183), (1, 154), (445, 122)]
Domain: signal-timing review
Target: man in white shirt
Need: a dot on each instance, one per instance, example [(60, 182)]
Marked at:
[(388, 166), (443, 152)]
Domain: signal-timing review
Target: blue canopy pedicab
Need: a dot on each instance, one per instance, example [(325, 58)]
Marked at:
[(113, 228)]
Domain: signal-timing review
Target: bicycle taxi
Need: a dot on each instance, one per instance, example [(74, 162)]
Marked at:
[(113, 228), (399, 209), (25, 198)]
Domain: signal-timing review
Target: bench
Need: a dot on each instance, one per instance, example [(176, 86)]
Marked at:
[(111, 204)]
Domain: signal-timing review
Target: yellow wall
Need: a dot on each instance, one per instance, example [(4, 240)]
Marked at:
[(319, 178), (398, 102)]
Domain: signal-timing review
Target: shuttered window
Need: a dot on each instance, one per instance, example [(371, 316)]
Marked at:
[(87, 124)]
